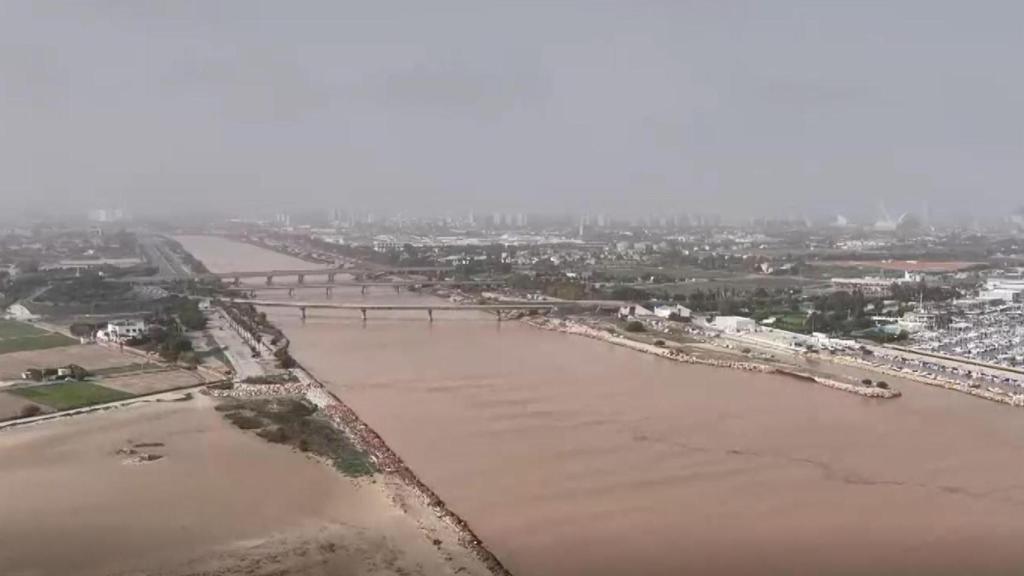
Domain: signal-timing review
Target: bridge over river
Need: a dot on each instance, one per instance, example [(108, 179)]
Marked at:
[(299, 274), (329, 273), (363, 285), (497, 308)]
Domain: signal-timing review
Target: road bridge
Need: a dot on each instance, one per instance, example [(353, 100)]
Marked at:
[(299, 274), (429, 308), (362, 285), (330, 273)]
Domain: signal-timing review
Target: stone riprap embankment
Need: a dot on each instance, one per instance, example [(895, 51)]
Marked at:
[(869, 391), (247, 391), (933, 379), (579, 329)]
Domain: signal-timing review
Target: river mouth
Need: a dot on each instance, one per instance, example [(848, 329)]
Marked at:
[(571, 456)]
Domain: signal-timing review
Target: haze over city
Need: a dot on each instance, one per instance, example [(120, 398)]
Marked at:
[(745, 109), (570, 288)]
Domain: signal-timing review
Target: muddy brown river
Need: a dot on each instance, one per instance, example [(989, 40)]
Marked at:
[(573, 457)]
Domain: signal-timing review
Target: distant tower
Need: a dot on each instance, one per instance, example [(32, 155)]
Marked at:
[(582, 220)]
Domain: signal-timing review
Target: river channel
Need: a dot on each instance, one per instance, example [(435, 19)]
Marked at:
[(570, 456)]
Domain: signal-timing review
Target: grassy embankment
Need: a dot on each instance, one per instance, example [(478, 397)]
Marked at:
[(295, 423), (70, 394)]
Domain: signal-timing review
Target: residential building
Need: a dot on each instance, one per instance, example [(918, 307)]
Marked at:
[(667, 311), (635, 311), (122, 330)]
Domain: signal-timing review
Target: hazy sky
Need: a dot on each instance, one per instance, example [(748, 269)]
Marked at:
[(637, 107)]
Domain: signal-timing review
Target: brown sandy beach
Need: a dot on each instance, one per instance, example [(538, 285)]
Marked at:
[(219, 501)]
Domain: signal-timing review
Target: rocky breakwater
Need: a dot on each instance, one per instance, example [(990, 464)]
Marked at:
[(249, 391), (933, 379), (576, 328), (862, 390)]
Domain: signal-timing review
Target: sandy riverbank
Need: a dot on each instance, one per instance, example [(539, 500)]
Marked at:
[(402, 480), (214, 501), (571, 327)]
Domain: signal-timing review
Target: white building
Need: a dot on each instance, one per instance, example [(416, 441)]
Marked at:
[(634, 311), (122, 330), (107, 215), (665, 311), (873, 285), (734, 324), (386, 244), (869, 285), (1004, 294), (1005, 289)]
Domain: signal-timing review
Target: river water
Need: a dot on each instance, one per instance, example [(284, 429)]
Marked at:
[(572, 456)]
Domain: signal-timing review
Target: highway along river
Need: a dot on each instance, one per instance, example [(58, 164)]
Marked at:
[(573, 457)]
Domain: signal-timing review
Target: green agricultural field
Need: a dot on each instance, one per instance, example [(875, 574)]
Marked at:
[(784, 319), (41, 342), (18, 336), (72, 394), (15, 329), (795, 321)]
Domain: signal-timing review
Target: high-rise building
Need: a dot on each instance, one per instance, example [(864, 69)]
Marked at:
[(334, 217), (107, 215)]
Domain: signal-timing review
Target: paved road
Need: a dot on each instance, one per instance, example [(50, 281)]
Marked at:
[(236, 350), (158, 254)]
